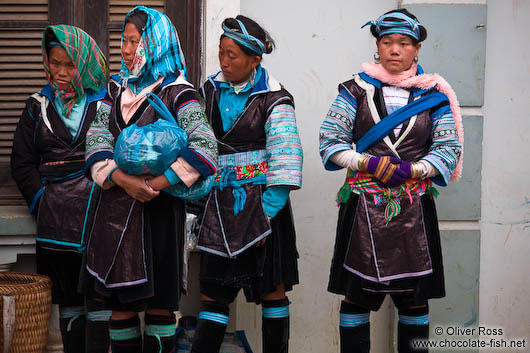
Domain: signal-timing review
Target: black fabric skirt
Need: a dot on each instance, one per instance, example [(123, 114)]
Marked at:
[(370, 295), (164, 231), (62, 265), (258, 270)]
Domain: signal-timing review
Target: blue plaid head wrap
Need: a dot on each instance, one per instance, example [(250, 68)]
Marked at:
[(245, 38), (397, 22), (163, 51)]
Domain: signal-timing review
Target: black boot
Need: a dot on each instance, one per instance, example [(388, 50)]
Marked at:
[(97, 331), (354, 329), (159, 333), (275, 326), (72, 322), (413, 326), (125, 335), (211, 327)]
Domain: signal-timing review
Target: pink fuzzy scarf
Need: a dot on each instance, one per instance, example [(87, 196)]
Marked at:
[(407, 79)]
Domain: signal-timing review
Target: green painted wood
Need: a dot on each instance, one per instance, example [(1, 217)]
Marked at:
[(16, 220), (461, 200), (455, 47)]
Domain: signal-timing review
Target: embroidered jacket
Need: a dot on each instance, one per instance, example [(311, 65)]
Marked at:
[(385, 251), (261, 148), (47, 163), (111, 248)]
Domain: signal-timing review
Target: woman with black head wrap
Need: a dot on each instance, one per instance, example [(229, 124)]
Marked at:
[(247, 233)]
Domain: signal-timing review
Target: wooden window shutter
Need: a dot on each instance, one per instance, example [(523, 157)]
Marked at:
[(21, 74), (21, 70)]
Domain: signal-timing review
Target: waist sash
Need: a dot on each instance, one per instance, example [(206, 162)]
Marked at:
[(234, 218)]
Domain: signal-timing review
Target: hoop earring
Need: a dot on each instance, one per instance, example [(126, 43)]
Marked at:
[(377, 58), (415, 59)]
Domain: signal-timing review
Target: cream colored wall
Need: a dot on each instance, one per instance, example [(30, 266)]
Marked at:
[(318, 46), (315, 52), (505, 226)]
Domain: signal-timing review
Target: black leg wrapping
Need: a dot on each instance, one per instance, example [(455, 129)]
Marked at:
[(209, 335), (354, 339), (131, 345), (275, 331), (409, 333), (97, 326), (73, 334), (151, 343), (97, 336)]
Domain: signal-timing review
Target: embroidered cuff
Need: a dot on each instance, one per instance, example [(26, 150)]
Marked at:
[(100, 172), (172, 177), (109, 175), (185, 171)]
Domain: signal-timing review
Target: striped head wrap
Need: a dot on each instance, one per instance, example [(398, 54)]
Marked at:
[(159, 52), (91, 69), (397, 22), (242, 36)]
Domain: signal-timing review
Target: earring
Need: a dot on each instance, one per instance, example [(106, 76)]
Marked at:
[(415, 59), (252, 76), (377, 58)]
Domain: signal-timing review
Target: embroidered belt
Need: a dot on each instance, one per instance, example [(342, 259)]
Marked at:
[(362, 182), (238, 169)]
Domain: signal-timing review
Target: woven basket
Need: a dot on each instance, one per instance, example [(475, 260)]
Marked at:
[(33, 302)]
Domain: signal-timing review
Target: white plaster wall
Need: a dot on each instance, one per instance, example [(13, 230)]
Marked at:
[(215, 11), (505, 227), (318, 46), (321, 45)]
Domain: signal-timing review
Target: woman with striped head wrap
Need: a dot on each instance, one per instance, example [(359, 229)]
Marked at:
[(48, 165), (247, 235), (135, 256), (398, 131)]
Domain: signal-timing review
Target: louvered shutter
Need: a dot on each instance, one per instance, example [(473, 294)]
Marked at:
[(21, 74), (21, 71)]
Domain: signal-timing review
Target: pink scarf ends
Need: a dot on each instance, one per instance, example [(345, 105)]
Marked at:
[(407, 79)]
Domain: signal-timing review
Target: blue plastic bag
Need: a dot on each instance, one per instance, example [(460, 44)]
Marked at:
[(149, 149), (152, 148), (197, 191)]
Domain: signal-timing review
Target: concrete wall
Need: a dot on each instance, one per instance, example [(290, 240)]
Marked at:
[(505, 226), (318, 46)]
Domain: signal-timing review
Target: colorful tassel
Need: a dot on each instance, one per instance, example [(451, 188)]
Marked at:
[(392, 209)]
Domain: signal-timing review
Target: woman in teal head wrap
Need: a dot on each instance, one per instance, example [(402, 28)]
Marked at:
[(247, 236), (397, 130), (135, 256), (48, 164)]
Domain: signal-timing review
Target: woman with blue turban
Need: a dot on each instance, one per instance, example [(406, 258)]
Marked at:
[(135, 254), (397, 131)]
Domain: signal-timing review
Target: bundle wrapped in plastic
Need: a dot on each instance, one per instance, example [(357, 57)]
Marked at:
[(152, 148), (149, 149)]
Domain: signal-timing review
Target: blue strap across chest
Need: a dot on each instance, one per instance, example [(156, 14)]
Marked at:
[(380, 130)]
